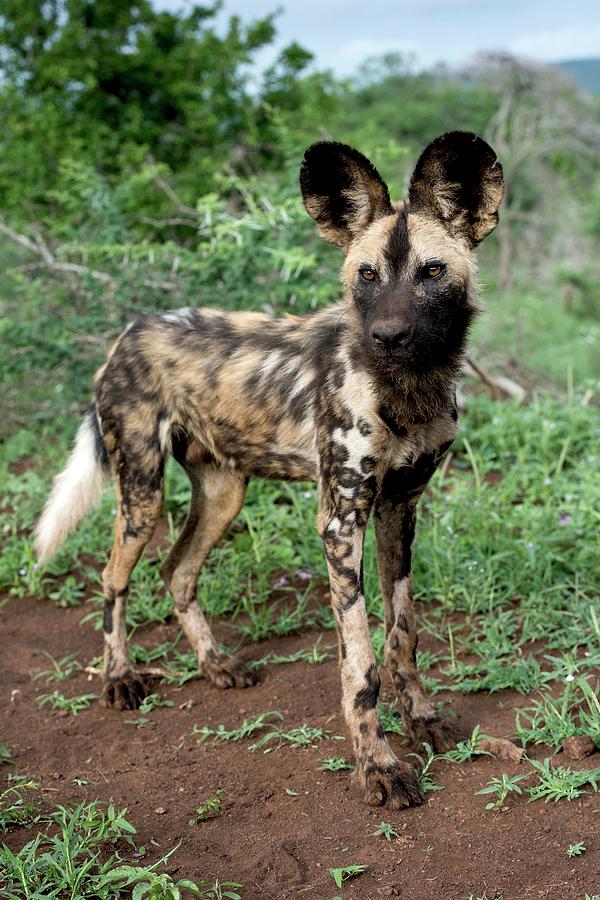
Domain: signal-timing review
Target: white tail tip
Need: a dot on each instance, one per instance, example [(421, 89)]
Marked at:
[(75, 490)]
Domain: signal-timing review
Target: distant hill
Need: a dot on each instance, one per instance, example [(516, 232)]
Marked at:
[(586, 72)]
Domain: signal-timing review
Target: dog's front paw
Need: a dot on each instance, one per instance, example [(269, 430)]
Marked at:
[(229, 672), (126, 692), (394, 785)]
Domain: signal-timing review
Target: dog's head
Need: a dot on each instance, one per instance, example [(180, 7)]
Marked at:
[(409, 266)]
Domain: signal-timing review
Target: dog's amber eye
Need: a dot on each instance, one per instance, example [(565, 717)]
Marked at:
[(368, 274), (433, 271)]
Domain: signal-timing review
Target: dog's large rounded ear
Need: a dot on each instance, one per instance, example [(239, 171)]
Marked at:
[(458, 178), (342, 191)]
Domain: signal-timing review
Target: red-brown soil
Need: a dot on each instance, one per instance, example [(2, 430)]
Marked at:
[(277, 845)]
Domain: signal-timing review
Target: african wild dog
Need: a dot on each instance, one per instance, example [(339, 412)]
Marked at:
[(359, 397)]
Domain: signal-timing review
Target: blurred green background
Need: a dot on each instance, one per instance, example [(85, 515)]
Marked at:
[(149, 160)]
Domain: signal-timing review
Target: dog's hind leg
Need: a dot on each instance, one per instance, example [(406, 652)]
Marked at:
[(217, 497), (140, 499)]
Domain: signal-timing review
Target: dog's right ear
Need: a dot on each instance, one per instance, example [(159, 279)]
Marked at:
[(342, 191)]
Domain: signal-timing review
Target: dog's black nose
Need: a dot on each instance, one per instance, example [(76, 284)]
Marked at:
[(391, 334)]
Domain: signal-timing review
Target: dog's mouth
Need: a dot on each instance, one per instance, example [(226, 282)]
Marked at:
[(411, 355), (393, 356)]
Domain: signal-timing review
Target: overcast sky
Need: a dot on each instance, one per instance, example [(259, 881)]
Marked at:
[(342, 33)]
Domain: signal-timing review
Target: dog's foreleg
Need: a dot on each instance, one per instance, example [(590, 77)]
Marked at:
[(395, 519), (342, 524)]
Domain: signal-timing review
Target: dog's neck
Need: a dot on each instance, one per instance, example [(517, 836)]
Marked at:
[(418, 398)]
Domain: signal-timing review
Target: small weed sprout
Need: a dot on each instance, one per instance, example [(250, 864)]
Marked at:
[(426, 782), (152, 702), (60, 670), (558, 782), (334, 764), (302, 736), (68, 592), (14, 809), (386, 830), (209, 810), (466, 750), (248, 727), (312, 655), (502, 787), (484, 897), (577, 849), (140, 722), (345, 872), (5, 756), (72, 705)]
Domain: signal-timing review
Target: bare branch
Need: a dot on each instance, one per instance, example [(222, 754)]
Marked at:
[(499, 386), (172, 194), (40, 248)]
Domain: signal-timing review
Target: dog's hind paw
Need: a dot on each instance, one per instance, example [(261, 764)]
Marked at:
[(440, 733), (126, 692), (229, 672)]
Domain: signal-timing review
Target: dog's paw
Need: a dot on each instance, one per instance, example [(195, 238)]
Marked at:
[(394, 785), (229, 672), (440, 733), (126, 692)]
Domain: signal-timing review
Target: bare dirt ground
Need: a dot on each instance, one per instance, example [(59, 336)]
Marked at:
[(278, 845)]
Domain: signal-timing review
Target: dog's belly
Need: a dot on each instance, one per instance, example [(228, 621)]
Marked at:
[(248, 451)]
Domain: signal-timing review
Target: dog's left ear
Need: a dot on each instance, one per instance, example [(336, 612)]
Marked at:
[(342, 191), (459, 179)]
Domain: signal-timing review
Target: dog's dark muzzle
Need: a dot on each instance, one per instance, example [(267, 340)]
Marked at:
[(390, 335)]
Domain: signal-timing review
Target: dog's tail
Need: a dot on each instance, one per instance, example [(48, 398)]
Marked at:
[(76, 489)]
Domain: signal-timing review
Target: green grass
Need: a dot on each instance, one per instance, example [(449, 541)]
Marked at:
[(550, 720), (83, 858), (17, 805), (422, 771), (532, 536), (515, 320), (72, 705)]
